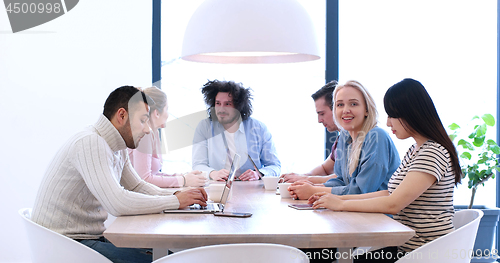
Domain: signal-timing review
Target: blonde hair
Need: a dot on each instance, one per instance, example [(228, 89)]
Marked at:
[(369, 123), (158, 96)]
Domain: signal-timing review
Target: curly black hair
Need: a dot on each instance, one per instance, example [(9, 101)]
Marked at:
[(242, 97)]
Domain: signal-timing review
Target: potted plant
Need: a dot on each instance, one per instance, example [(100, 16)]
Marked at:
[(479, 163)]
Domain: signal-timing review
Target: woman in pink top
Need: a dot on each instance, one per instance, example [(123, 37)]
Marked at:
[(147, 159)]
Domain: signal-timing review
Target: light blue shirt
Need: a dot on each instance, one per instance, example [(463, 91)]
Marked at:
[(378, 160), (252, 137)]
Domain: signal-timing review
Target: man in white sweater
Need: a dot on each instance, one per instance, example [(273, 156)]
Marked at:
[(91, 175)]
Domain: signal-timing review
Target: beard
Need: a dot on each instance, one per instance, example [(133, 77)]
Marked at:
[(227, 119), (126, 133)]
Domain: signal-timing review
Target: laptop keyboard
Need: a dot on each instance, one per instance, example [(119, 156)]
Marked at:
[(210, 206)]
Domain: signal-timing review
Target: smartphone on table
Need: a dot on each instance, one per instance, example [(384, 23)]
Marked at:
[(303, 206), (233, 214)]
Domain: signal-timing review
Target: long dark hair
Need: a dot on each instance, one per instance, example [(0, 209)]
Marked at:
[(242, 97), (409, 100)]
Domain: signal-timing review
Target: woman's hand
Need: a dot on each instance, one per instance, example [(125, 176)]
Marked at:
[(301, 190), (195, 179), (293, 177), (326, 200)]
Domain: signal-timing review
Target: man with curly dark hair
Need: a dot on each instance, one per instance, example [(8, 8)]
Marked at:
[(228, 130)]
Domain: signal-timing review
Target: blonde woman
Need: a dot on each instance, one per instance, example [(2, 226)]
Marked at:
[(147, 159), (366, 155), (420, 192)]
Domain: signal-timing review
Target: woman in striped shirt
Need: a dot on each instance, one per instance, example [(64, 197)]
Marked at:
[(420, 192)]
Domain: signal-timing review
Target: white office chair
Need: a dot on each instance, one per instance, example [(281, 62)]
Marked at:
[(241, 253), (48, 246), (455, 247)]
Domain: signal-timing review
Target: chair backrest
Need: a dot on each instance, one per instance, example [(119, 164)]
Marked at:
[(47, 246), (455, 247), (241, 253)]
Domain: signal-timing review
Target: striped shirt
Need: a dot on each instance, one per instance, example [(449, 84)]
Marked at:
[(431, 214)]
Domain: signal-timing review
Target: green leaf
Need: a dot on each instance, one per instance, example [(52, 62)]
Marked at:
[(472, 175), (470, 184), (495, 149), (453, 126), (479, 141), (466, 155), (491, 142), (481, 130), (472, 135), (488, 119), (466, 144), (452, 137), (475, 117)]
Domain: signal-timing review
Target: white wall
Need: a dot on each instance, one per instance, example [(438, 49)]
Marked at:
[(54, 80)]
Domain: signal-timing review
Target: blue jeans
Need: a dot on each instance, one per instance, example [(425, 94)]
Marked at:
[(118, 254)]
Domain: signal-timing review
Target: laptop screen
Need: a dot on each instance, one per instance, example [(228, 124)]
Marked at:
[(230, 179), (255, 166)]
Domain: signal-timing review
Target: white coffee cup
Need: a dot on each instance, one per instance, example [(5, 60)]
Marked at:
[(284, 190), (215, 191), (270, 183), (205, 175)]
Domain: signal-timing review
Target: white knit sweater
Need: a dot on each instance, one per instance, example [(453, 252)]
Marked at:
[(90, 176)]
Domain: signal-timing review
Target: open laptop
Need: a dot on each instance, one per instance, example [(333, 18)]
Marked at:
[(255, 166), (212, 207)]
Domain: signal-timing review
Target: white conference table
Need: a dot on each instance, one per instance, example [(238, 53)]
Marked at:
[(272, 222)]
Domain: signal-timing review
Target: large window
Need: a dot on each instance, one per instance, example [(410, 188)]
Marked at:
[(281, 92), (448, 45)]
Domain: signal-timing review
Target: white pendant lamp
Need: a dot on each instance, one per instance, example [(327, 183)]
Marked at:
[(250, 31)]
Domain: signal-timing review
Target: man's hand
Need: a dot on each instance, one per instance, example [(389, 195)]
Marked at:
[(195, 178), (220, 175), (191, 196), (302, 190), (293, 177), (249, 175)]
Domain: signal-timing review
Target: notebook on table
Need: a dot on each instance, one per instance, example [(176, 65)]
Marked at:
[(212, 207)]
